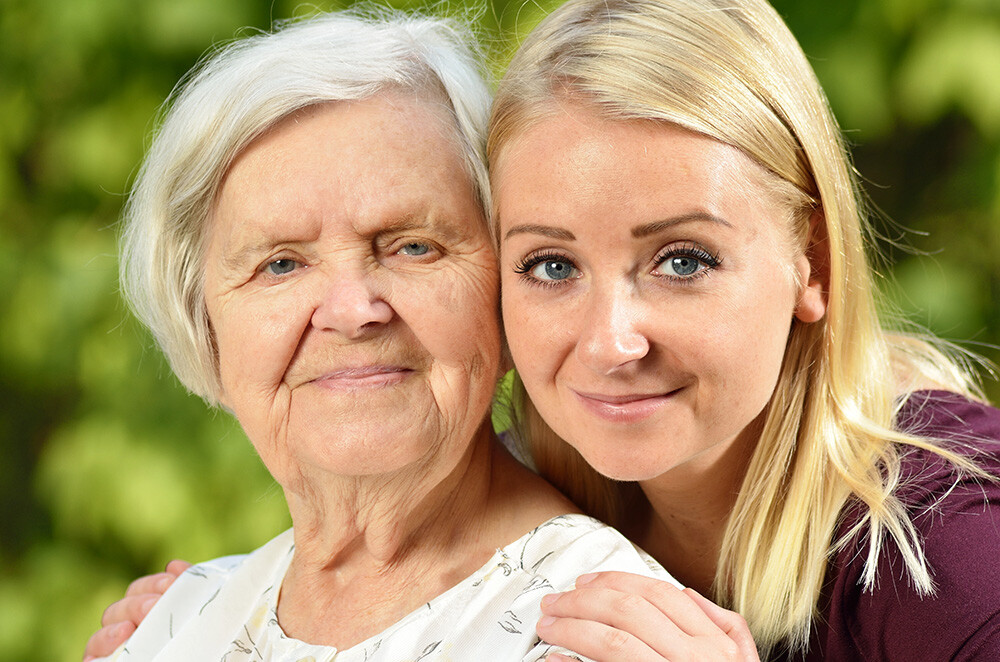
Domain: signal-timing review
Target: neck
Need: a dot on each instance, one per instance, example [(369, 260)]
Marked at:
[(688, 510), (379, 517), (409, 537)]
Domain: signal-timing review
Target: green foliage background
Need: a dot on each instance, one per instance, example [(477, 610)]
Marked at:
[(108, 468)]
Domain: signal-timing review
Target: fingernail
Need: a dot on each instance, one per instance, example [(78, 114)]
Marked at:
[(585, 579), (118, 630), (164, 583), (546, 621), (550, 598)]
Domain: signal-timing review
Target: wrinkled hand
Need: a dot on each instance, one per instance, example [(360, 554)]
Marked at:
[(122, 618), (621, 617)]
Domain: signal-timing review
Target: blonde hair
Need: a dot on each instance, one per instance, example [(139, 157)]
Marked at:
[(234, 96), (731, 70)]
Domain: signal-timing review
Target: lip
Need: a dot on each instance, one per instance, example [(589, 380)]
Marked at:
[(627, 408), (363, 377)]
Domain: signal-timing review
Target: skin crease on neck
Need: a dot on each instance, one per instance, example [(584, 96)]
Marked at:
[(359, 348), (649, 285)]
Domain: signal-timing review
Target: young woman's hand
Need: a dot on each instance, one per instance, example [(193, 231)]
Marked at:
[(621, 617), (122, 618)]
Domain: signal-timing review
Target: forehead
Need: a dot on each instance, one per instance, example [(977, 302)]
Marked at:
[(396, 153), (573, 163)]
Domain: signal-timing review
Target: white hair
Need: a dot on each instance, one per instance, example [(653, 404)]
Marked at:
[(233, 96)]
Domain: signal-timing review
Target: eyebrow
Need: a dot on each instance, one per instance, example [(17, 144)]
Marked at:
[(638, 232), (657, 226), (245, 253), (545, 230)]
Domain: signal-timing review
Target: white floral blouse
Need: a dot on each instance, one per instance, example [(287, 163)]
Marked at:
[(225, 610)]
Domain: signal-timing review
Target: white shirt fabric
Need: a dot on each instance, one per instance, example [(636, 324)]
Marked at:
[(225, 610)]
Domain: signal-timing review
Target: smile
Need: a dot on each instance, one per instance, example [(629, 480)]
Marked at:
[(630, 408), (363, 377)]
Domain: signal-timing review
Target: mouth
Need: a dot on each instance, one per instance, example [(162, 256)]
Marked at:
[(363, 377), (627, 408)]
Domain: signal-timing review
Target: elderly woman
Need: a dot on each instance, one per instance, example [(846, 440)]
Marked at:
[(306, 240)]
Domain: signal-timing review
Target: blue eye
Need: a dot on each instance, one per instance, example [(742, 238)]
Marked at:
[(553, 270), (415, 249), (547, 269), (681, 266), (281, 267), (685, 262)]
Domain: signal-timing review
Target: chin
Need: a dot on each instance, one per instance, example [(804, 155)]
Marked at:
[(627, 467)]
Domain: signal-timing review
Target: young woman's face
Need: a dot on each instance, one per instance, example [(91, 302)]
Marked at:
[(648, 282)]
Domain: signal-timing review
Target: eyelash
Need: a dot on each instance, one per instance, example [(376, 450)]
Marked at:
[(263, 270), (525, 265), (689, 249)]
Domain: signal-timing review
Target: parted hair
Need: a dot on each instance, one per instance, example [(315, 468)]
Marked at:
[(731, 70), (237, 93)]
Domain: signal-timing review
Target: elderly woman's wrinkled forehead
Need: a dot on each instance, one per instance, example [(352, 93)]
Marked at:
[(409, 104)]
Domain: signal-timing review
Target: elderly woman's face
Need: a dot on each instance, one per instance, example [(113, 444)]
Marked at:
[(351, 286), (649, 284)]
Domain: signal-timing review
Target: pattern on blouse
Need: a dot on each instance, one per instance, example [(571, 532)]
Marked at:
[(513, 572)]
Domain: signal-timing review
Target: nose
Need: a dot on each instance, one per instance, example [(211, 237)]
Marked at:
[(611, 336), (350, 304)]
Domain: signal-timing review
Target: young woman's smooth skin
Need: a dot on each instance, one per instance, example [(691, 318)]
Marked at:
[(649, 283)]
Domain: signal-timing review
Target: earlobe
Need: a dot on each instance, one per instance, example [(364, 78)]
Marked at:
[(814, 272), (812, 304)]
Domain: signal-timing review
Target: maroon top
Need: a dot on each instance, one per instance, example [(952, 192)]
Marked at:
[(960, 528)]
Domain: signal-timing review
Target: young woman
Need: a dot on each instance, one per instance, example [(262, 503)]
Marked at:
[(688, 302), (700, 361)]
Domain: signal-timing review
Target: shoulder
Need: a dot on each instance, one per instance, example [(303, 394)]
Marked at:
[(948, 416), (958, 524), (568, 546), (228, 579), (207, 577), (931, 487)]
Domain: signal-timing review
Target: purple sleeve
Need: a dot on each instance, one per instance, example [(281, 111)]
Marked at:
[(960, 526)]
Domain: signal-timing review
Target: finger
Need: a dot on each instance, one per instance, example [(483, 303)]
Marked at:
[(105, 641), (149, 584), (177, 567), (670, 599), (627, 612), (594, 640), (734, 625), (129, 610)]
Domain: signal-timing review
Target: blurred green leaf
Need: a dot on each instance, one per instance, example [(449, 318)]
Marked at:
[(952, 64)]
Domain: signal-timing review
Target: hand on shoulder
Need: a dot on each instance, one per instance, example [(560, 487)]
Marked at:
[(618, 616), (122, 618)]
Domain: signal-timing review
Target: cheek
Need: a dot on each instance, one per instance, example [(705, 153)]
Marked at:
[(257, 338), (455, 317), (749, 344), (523, 323)]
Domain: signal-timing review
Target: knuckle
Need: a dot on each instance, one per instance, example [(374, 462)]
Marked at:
[(616, 641), (663, 592), (729, 651), (627, 603)]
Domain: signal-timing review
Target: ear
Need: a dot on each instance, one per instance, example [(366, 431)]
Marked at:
[(813, 268)]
